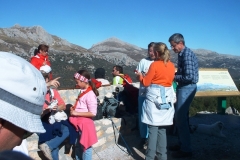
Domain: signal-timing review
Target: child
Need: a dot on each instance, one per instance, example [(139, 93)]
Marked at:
[(58, 127), (82, 113), (158, 109)]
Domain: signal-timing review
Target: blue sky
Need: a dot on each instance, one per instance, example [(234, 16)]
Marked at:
[(206, 24)]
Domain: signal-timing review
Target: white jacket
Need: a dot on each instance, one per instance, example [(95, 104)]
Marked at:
[(154, 107)]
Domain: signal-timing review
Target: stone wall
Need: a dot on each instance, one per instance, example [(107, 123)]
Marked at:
[(107, 132), (70, 95), (104, 127), (107, 135)]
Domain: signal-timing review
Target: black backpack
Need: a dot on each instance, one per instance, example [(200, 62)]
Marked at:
[(109, 107)]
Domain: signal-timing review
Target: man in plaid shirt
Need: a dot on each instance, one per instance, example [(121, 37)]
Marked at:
[(186, 77)]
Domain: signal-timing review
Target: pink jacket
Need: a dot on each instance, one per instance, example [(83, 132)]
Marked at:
[(87, 127), (86, 103)]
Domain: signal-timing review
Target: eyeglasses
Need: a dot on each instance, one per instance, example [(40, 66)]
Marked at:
[(173, 46), (44, 51)]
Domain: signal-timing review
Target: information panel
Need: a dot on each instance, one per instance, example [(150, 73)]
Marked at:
[(216, 82)]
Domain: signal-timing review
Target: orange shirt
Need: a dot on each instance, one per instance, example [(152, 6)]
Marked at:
[(159, 73)]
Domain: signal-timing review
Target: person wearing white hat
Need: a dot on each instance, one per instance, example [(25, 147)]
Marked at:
[(45, 70), (22, 95), (54, 120)]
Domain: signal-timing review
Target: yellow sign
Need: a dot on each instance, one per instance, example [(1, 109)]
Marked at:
[(216, 82)]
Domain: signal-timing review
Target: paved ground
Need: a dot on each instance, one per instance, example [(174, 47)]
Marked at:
[(205, 147), (120, 151)]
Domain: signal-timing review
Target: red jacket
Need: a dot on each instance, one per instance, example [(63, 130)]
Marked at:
[(38, 61), (97, 83)]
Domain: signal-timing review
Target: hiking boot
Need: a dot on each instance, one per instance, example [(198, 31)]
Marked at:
[(174, 148), (143, 143), (46, 151), (181, 154)]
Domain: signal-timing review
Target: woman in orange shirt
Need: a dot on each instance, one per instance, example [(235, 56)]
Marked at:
[(158, 110)]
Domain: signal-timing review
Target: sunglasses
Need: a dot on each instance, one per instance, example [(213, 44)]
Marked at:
[(26, 134)]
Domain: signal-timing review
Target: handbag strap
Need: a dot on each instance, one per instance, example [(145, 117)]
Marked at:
[(51, 95)]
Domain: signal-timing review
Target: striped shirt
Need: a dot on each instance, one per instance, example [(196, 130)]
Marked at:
[(187, 72)]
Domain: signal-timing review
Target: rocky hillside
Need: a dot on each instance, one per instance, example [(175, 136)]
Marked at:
[(117, 51), (126, 54), (66, 58)]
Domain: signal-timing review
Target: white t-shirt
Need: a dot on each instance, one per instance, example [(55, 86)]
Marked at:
[(104, 81), (143, 66)]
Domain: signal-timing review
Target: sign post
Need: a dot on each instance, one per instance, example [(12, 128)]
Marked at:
[(216, 83), (222, 105)]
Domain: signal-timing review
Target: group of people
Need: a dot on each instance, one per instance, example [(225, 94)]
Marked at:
[(30, 103), (159, 105), (36, 107), (78, 126)]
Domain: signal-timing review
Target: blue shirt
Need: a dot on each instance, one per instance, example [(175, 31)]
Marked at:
[(187, 72)]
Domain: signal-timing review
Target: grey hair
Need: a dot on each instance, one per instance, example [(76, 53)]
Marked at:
[(177, 37)]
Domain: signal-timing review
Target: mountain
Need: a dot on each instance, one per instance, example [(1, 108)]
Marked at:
[(123, 52), (115, 50), (67, 58)]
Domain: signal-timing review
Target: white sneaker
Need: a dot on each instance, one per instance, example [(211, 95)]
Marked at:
[(46, 151)]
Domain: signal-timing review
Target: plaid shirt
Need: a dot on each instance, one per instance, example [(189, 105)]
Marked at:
[(187, 72)]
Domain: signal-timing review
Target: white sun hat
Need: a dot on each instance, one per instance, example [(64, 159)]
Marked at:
[(45, 69), (22, 93)]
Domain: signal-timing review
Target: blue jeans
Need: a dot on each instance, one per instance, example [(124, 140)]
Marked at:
[(185, 95), (80, 154), (157, 143), (56, 142), (143, 128)]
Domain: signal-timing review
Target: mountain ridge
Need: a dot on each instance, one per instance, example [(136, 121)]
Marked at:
[(67, 57)]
